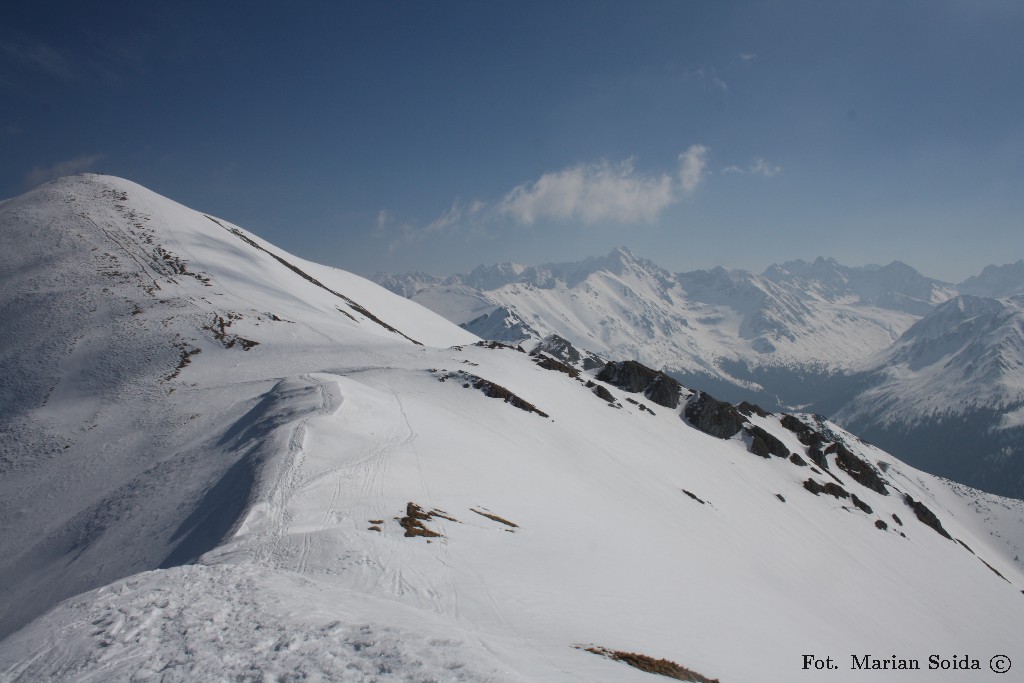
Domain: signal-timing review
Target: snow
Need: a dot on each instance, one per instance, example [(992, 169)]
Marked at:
[(968, 353), (253, 478), (626, 307)]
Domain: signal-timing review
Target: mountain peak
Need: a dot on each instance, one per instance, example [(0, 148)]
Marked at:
[(996, 281)]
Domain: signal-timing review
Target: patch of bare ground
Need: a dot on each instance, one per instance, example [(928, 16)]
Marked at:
[(219, 329), (414, 519), (661, 667), (496, 518), (186, 357)]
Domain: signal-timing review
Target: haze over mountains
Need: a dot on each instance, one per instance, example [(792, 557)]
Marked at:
[(931, 370), (220, 461)]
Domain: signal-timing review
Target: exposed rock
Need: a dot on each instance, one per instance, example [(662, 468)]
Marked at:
[(966, 546), (716, 418), (492, 390), (693, 496), (549, 363), (881, 524), (635, 377), (664, 391), (860, 503), (817, 456), (996, 571), (807, 436), (897, 519), (749, 409), (829, 488), (767, 442), (925, 515), (602, 392), (759, 447), (861, 470), (491, 344), (797, 460), (780, 497), (562, 349)]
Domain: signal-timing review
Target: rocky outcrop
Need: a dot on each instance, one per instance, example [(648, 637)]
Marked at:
[(549, 363), (925, 516), (807, 436), (560, 348), (763, 443), (861, 471), (635, 377), (713, 417), (492, 344), (600, 391), (860, 503), (749, 409), (490, 390), (829, 488)]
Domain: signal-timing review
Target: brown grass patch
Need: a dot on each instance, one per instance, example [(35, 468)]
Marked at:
[(661, 667), (496, 518), (414, 519)]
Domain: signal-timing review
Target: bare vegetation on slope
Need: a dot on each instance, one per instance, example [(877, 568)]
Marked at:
[(661, 667)]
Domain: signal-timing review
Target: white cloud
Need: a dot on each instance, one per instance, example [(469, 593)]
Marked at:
[(757, 166), (447, 220), (42, 174), (381, 226), (600, 192), (454, 220), (593, 193), (762, 167), (692, 164)]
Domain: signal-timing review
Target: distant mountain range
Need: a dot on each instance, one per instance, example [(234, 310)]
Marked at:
[(929, 369)]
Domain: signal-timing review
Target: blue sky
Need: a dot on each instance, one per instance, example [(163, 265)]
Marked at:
[(438, 135)]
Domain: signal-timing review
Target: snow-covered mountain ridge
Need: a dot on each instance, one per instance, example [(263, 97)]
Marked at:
[(257, 467), (821, 314)]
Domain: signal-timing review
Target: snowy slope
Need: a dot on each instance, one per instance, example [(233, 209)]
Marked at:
[(106, 297), (307, 472)]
